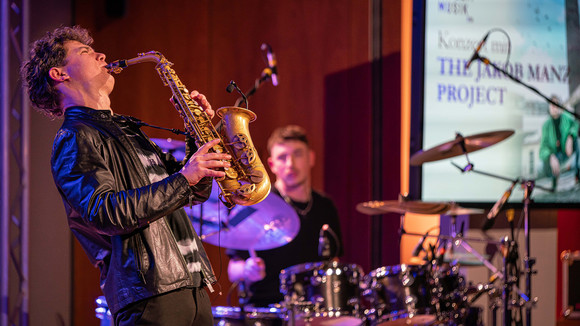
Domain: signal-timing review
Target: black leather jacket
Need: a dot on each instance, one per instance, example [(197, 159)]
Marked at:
[(117, 215)]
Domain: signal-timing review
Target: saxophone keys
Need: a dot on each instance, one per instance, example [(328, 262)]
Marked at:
[(231, 173), (256, 176), (240, 141), (248, 157), (230, 186), (246, 190)]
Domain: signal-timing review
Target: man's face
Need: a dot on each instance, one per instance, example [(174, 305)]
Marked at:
[(291, 162), (554, 111), (86, 68)]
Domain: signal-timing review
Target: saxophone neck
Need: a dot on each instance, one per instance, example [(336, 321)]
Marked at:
[(151, 56)]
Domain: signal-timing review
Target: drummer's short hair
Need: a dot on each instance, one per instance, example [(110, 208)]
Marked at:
[(286, 133)]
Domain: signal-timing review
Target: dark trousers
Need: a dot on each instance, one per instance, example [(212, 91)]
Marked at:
[(182, 307)]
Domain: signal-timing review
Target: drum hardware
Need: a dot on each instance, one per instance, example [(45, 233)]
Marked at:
[(434, 291), (464, 145), (528, 186)]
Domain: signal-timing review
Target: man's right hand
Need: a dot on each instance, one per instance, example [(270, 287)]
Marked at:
[(203, 164), (255, 269)]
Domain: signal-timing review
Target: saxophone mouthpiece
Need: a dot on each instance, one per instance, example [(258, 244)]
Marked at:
[(116, 66)]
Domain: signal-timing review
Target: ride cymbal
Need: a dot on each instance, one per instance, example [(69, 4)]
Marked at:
[(454, 148)]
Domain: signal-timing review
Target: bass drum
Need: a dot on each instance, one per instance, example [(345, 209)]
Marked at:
[(323, 293)]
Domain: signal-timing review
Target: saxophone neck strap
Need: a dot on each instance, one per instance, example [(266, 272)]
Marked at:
[(138, 123)]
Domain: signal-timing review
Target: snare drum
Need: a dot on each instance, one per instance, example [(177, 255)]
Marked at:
[(399, 291), (322, 290)]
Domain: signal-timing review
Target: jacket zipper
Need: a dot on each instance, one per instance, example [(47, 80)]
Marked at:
[(182, 259)]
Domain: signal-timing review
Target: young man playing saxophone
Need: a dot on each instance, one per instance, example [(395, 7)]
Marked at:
[(122, 197)]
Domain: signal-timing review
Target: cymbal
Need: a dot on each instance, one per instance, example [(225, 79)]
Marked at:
[(458, 210), (269, 224), (169, 144), (453, 148), (379, 207)]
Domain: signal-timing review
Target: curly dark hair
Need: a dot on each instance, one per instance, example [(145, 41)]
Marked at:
[(282, 134), (46, 53)]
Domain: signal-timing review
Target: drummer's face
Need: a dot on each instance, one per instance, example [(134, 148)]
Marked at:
[(291, 162)]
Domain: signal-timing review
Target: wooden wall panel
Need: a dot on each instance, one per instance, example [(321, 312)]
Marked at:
[(213, 42)]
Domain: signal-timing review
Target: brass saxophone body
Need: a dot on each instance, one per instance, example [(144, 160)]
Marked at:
[(246, 181)]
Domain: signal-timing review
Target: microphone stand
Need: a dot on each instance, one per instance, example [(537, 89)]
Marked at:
[(257, 83), (515, 79)]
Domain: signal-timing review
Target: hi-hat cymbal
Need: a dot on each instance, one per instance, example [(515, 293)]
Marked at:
[(379, 207), (269, 224), (453, 148)]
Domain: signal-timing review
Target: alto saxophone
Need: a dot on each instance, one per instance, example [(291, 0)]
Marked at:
[(246, 182)]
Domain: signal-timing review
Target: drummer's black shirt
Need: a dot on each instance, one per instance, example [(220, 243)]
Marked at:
[(302, 249)]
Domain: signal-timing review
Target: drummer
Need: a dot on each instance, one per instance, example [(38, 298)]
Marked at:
[(291, 160)]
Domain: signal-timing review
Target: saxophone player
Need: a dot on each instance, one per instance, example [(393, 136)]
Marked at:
[(123, 199)]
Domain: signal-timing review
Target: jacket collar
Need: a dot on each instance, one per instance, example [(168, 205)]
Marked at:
[(83, 112)]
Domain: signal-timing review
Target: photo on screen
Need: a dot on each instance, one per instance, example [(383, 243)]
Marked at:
[(536, 42)]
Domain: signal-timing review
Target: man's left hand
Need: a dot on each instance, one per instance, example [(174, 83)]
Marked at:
[(203, 102)]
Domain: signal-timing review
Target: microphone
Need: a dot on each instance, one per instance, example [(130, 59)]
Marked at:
[(272, 70), (476, 53), (497, 207), (419, 246), (323, 243), (231, 86)]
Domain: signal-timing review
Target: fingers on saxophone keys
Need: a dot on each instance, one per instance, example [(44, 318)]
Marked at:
[(215, 160), (207, 146), (203, 102)]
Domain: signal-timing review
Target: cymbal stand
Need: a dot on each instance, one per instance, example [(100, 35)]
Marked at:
[(528, 260)]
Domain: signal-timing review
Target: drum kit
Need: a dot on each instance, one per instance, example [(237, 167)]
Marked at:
[(431, 291)]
